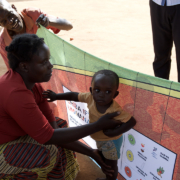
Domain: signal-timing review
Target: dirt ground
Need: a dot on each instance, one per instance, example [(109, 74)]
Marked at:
[(118, 31)]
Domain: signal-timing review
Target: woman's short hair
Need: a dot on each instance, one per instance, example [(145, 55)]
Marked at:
[(22, 49), (108, 73)]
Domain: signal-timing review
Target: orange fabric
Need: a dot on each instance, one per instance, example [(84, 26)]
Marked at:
[(29, 15), (22, 111), (94, 115)]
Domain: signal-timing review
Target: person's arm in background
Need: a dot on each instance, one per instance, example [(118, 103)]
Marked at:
[(53, 21)]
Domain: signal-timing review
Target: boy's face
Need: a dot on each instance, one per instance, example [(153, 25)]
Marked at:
[(103, 90), (9, 18)]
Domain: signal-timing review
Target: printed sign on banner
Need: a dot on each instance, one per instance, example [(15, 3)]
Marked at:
[(141, 158)]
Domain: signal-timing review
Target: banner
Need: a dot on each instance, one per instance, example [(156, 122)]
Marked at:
[(141, 158), (154, 103)]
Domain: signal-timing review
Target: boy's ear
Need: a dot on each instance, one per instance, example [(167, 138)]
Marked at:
[(90, 89), (14, 7), (116, 94)]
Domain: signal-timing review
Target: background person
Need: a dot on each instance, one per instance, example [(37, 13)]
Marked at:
[(165, 18), (14, 23), (28, 130)]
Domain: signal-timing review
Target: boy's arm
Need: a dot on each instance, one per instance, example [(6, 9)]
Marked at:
[(124, 127), (52, 96), (70, 96)]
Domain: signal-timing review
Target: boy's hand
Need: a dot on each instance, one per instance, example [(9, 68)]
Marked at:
[(124, 127), (43, 20), (108, 132), (111, 132), (50, 95)]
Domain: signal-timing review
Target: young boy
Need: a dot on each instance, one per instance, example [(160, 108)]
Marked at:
[(100, 100), (26, 21)]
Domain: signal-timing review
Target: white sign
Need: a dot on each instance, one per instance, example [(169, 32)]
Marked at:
[(141, 158), (144, 159)]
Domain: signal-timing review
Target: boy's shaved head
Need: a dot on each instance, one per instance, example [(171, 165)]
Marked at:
[(109, 73)]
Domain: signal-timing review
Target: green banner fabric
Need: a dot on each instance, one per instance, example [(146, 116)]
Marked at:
[(154, 103)]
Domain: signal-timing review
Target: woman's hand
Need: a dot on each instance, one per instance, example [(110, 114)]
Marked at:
[(50, 95), (79, 147), (43, 20), (99, 159), (107, 121)]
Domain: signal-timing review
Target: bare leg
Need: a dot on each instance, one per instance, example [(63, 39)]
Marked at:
[(113, 164)]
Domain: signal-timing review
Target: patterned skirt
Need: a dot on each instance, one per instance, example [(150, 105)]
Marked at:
[(25, 158)]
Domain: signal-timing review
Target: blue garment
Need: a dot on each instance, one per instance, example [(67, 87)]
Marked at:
[(111, 148), (168, 2), (118, 144)]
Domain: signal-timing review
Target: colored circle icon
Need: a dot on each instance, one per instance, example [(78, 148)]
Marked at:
[(131, 139), (128, 171), (129, 155)]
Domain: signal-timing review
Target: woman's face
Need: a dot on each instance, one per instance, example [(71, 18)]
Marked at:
[(40, 68)]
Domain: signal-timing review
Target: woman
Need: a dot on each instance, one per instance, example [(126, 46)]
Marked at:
[(32, 146)]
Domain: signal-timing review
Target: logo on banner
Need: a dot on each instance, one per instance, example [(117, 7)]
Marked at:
[(131, 139), (154, 155), (130, 155), (128, 171), (160, 171), (143, 146)]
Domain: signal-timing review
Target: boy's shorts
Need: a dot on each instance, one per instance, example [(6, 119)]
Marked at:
[(110, 149)]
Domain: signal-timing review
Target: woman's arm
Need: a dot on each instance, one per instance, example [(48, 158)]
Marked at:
[(52, 96), (66, 135), (124, 127), (93, 153)]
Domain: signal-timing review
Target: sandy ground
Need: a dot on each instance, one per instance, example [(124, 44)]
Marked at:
[(118, 31)]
